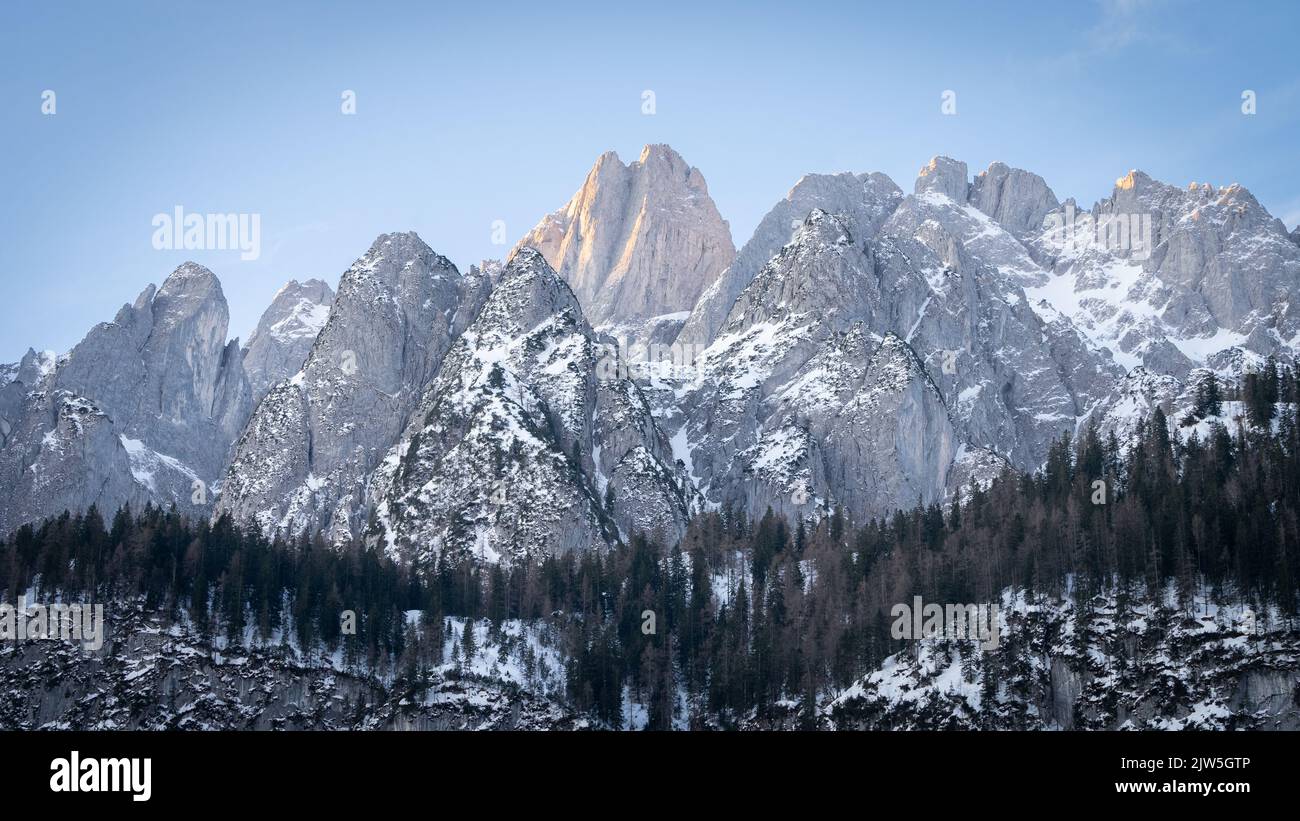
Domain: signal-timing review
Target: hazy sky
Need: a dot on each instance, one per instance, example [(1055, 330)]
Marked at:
[(480, 112)]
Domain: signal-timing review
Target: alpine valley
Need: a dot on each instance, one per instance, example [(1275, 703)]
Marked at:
[(633, 476)]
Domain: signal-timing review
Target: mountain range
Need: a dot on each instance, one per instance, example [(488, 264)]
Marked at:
[(627, 368)]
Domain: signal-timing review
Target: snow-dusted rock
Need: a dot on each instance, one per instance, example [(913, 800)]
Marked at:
[(866, 200), (145, 408), (306, 454), (1015, 199), (1071, 665), (1175, 276), (278, 347), (527, 442)]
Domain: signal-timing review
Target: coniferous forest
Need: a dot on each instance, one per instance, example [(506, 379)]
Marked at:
[(744, 613)]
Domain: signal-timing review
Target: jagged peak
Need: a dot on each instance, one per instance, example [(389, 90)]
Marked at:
[(653, 157), (188, 271), (390, 252), (871, 179), (527, 258), (945, 176), (650, 153), (894, 347), (1236, 192), (998, 168), (896, 363), (1015, 198), (528, 292), (190, 279), (293, 286), (655, 151), (823, 227), (527, 263), (399, 241), (1134, 179), (892, 344), (144, 298)]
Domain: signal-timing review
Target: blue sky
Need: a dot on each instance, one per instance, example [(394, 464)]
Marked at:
[(473, 113)]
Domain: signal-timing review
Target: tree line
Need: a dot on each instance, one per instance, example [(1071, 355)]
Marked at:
[(744, 616)]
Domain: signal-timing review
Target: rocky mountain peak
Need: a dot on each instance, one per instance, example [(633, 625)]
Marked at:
[(144, 408), (1016, 199), (863, 203), (823, 228), (527, 292), (519, 446), (637, 241), (1136, 191), (527, 260), (190, 276), (279, 345), (313, 441), (188, 287), (943, 175), (1133, 180), (392, 254)]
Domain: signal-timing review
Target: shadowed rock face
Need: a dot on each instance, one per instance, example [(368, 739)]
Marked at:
[(145, 408), (866, 200), (1015, 199), (1250, 682), (303, 460), (284, 336), (636, 241), (522, 445), (875, 361)]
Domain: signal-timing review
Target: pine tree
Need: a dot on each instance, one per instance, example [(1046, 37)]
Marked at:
[(1208, 396), (468, 643)]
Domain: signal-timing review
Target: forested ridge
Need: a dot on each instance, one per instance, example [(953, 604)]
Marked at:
[(745, 614)]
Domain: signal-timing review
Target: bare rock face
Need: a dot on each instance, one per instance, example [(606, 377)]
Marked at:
[(1015, 199), (16, 381), (1170, 278), (144, 409), (278, 347), (866, 200), (1016, 373), (304, 458), (808, 398), (637, 241), (946, 176), (528, 442), (874, 362)]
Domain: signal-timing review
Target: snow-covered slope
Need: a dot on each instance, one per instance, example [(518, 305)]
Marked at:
[(1174, 278), (1089, 665), (519, 447)]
